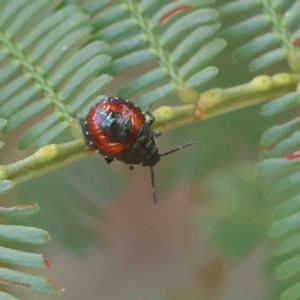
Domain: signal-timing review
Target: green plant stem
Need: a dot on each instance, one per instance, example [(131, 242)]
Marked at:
[(46, 159), (260, 89), (209, 104), (220, 101)]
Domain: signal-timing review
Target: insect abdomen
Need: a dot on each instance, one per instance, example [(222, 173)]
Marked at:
[(112, 125)]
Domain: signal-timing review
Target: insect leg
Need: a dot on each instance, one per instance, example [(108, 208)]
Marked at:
[(148, 113), (108, 160), (153, 185), (157, 134)]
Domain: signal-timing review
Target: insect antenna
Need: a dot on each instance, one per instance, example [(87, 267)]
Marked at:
[(153, 185), (149, 107), (178, 148), (164, 154)]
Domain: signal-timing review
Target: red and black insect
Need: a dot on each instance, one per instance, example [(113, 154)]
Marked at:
[(118, 130)]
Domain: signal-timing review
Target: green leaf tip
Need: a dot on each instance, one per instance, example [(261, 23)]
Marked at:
[(22, 234), (4, 296), (3, 122), (281, 104), (6, 185), (291, 293), (20, 258)]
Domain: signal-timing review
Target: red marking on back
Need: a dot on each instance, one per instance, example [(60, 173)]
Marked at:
[(168, 16), (296, 42), (293, 156)]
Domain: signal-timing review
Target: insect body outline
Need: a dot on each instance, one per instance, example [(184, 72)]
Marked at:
[(118, 130)]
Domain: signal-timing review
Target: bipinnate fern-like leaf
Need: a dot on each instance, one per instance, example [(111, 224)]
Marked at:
[(28, 235), (179, 36), (268, 31), (22, 234), (281, 167), (43, 69)]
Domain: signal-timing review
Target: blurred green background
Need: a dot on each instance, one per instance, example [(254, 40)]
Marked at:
[(205, 238)]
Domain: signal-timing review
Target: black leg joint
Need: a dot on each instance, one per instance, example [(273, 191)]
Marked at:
[(108, 160), (157, 134), (152, 118)]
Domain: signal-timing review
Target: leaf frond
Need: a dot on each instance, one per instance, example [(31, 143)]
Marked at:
[(177, 37), (42, 70), (267, 34), (23, 235), (281, 168)]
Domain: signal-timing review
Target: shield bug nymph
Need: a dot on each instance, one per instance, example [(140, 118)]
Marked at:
[(118, 130)]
